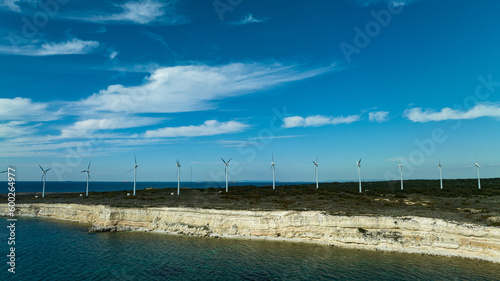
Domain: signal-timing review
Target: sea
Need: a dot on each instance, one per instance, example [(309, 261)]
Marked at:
[(80, 186), (47, 249)]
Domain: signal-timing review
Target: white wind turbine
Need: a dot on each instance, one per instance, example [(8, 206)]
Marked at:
[(401, 171), (440, 175), (44, 176), (358, 163), (272, 167), (316, 164), (88, 177), (476, 166), (135, 171), (178, 176), (226, 164)]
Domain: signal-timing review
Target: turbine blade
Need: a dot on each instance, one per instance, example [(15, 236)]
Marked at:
[(129, 171), (229, 160), (40, 167), (135, 159), (48, 169), (88, 168), (83, 171), (223, 160)]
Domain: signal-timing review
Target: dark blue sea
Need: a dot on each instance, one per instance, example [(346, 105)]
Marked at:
[(59, 250), (77, 186)]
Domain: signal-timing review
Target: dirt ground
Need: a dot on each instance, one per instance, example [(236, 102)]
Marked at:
[(461, 200)]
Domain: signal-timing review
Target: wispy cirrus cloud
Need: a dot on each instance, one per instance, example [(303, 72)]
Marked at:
[(87, 127), (249, 18), (318, 121), (208, 128), (138, 12), (378, 116), (71, 47), (480, 110), (194, 87)]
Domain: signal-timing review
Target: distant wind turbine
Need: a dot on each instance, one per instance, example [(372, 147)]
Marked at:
[(358, 163), (135, 171), (401, 170), (227, 164), (476, 166), (316, 164), (440, 175), (178, 176), (44, 176), (272, 167), (88, 177)]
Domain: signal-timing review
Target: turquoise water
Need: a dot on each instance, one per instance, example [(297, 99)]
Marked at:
[(58, 250)]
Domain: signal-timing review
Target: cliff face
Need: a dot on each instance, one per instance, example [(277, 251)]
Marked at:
[(401, 234)]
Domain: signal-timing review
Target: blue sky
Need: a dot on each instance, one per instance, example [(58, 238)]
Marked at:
[(416, 81)]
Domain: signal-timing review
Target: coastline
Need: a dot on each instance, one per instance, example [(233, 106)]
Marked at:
[(405, 234)]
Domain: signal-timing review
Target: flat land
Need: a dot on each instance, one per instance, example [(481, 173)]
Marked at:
[(460, 200)]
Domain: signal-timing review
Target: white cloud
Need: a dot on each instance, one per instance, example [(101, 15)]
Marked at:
[(70, 47), (317, 121), (11, 5), (87, 127), (23, 109), (378, 116), (209, 128), (14, 129), (427, 115), (193, 87), (140, 12), (248, 19)]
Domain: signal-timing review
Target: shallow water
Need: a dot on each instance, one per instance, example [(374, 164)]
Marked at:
[(58, 250)]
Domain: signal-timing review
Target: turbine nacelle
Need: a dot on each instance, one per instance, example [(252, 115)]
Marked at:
[(358, 163)]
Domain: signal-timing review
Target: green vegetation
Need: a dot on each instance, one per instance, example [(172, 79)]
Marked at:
[(460, 200)]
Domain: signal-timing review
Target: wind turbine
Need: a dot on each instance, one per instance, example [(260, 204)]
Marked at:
[(135, 171), (272, 167), (88, 177), (227, 164), (401, 170), (358, 163), (316, 164), (44, 176), (178, 176), (440, 175), (476, 166)]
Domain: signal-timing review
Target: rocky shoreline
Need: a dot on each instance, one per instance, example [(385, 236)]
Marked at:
[(407, 234)]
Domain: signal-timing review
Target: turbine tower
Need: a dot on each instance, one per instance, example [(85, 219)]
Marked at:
[(227, 164), (476, 166), (44, 176), (272, 167), (88, 177), (440, 175), (316, 164), (401, 170), (135, 171), (358, 163), (178, 176)]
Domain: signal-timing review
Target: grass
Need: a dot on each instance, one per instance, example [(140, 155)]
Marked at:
[(460, 200)]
